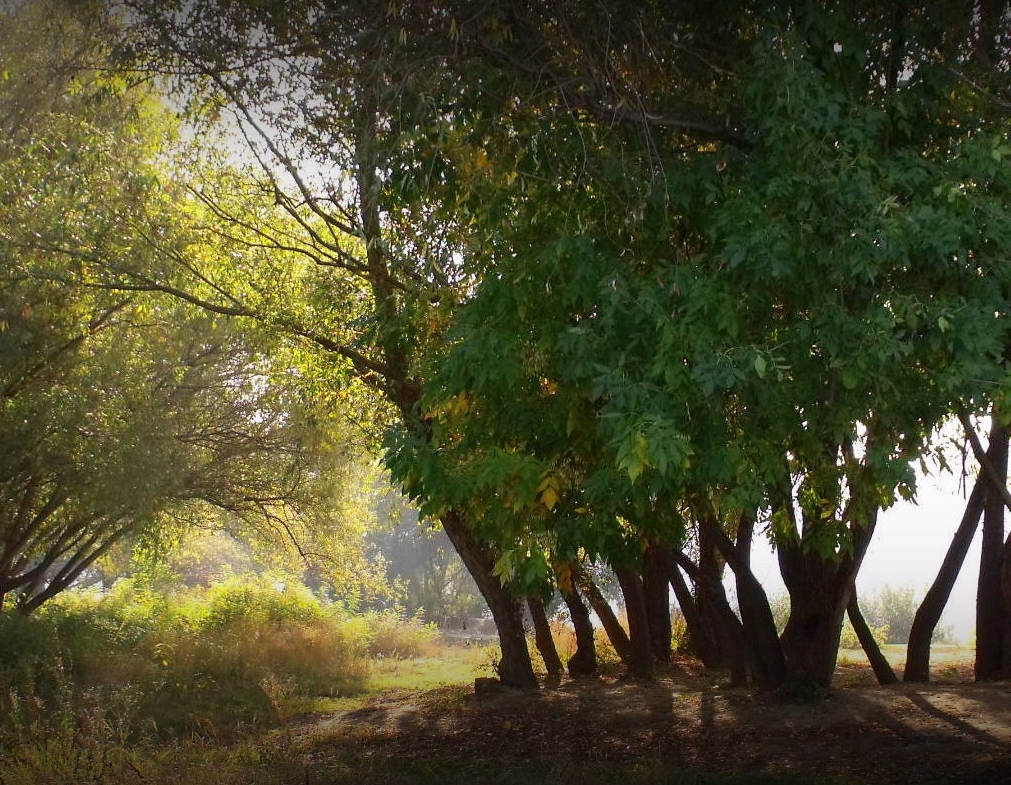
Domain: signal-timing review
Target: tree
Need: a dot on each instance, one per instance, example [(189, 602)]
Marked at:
[(380, 249), (117, 408), (686, 347)]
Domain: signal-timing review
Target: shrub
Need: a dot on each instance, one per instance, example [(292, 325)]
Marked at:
[(239, 601), (29, 650), (197, 661), (391, 634), (849, 639)]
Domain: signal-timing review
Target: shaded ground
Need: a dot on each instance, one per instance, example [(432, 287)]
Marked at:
[(942, 733)]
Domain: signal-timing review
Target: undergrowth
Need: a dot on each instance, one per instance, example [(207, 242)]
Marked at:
[(90, 679)]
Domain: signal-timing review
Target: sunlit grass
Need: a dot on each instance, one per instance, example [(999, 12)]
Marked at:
[(948, 663), (453, 664)]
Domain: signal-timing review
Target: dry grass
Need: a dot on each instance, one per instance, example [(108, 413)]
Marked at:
[(949, 664)]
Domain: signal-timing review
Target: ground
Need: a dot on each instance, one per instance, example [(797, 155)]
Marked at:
[(685, 727)]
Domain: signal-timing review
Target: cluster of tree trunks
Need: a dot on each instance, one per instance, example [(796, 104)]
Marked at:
[(745, 641)]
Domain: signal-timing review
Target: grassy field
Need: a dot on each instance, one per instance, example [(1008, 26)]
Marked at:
[(97, 740), (949, 663)]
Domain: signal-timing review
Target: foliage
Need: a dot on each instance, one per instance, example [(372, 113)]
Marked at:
[(893, 608), (125, 415), (849, 640)]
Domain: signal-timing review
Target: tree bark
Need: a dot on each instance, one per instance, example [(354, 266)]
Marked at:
[(764, 651), (820, 591), (615, 632), (756, 614), (656, 592), (543, 638), (720, 623), (701, 634), (1006, 589), (929, 613), (882, 669), (991, 610), (640, 656), (515, 668), (584, 661)]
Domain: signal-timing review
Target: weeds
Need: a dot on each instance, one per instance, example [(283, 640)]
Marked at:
[(91, 677)]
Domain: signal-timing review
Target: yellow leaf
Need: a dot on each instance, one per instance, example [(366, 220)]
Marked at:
[(549, 498), (548, 489)]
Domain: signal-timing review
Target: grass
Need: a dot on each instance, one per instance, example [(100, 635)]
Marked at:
[(452, 664), (949, 663)]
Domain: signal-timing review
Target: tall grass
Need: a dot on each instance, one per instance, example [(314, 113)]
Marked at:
[(200, 663)]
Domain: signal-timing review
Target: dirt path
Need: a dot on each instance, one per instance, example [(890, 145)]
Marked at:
[(901, 734)]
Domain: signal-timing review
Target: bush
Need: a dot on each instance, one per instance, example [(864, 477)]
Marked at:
[(849, 639), (201, 660), (29, 650), (244, 601)]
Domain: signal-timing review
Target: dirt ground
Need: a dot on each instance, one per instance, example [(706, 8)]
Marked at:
[(937, 733)]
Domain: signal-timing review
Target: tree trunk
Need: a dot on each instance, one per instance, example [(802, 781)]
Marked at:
[(820, 591), (761, 638), (615, 632), (1006, 589), (882, 669), (929, 613), (811, 638), (515, 668), (720, 623), (543, 638), (756, 614), (991, 610), (701, 634), (640, 657), (584, 661), (656, 592)]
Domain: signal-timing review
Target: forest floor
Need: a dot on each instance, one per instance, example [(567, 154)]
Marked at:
[(685, 727)]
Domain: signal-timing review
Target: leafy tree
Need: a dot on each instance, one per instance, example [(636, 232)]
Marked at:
[(382, 271), (684, 354), (118, 409), (421, 561)]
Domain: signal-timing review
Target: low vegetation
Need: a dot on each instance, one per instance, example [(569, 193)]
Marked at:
[(91, 675)]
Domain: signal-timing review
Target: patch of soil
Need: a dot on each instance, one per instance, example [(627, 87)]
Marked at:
[(938, 733)]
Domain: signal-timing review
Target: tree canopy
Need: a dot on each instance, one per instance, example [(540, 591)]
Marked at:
[(121, 407)]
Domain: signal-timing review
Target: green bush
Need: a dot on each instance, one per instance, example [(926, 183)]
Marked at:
[(238, 602), (849, 639), (29, 649)]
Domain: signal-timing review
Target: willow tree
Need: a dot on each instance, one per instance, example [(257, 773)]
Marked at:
[(116, 408)]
